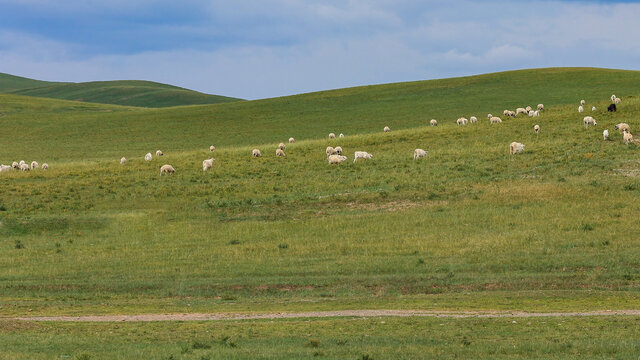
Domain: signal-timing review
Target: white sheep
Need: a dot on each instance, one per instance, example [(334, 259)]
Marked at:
[(540, 107), (332, 136), (622, 127), (207, 164), (45, 166), (588, 120), (167, 169), (123, 160), (627, 138), (536, 113), (15, 165), (159, 153), (386, 129), (489, 116), (22, 162), (256, 153), (473, 119), (512, 113), (338, 150), (521, 111), (25, 167), (613, 98), (593, 108), (528, 108), (618, 101), (462, 121), (495, 120), (433, 122), (212, 148), (419, 153), (582, 102), (516, 148), (336, 159), (5, 168), (291, 140), (536, 128), (605, 134), (330, 151), (148, 157), (280, 153), (281, 146), (506, 112), (580, 109), (34, 165), (361, 155), (531, 112), (341, 135)]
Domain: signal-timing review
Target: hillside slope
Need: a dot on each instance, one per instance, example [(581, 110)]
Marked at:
[(10, 83)]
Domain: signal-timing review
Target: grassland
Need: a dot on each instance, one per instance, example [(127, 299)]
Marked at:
[(125, 92), (467, 228)]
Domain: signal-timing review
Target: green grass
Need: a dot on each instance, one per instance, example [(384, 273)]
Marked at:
[(467, 228), (125, 92)]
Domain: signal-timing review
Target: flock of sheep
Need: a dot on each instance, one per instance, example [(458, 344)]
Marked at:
[(23, 166)]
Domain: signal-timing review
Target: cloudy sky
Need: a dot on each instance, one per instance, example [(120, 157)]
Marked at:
[(265, 48)]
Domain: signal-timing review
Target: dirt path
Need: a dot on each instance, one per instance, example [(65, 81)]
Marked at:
[(325, 314)]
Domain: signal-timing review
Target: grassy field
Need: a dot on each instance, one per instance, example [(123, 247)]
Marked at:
[(467, 228), (126, 92)]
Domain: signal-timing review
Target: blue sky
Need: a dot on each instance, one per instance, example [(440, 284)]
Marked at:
[(257, 49)]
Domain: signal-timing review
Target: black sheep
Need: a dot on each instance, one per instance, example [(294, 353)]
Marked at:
[(612, 107)]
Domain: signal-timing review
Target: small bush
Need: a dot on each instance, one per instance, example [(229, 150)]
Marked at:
[(283, 246)]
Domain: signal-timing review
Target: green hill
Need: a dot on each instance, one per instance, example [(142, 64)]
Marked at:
[(125, 92)]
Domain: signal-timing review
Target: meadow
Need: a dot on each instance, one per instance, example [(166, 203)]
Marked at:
[(469, 227)]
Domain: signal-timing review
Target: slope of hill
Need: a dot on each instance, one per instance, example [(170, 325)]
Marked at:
[(125, 92)]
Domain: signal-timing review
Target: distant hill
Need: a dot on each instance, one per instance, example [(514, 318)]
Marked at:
[(124, 92)]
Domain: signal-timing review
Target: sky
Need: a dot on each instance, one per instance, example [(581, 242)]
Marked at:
[(256, 49)]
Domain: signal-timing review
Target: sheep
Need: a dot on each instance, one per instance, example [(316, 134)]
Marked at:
[(536, 113), (167, 169), (528, 108), (622, 127), (580, 109), (433, 122), (613, 98), (521, 111), (627, 138), (123, 160), (207, 164), (540, 107), (159, 153), (291, 140), (361, 155), (536, 128), (473, 119), (511, 113), (605, 134), (341, 135), (332, 136), (280, 153), (25, 167), (330, 151), (462, 121), (419, 153), (45, 166), (593, 108), (516, 148), (336, 159), (506, 112), (386, 129), (256, 153), (5, 168), (618, 100), (148, 157), (612, 108), (15, 165), (588, 120), (495, 120), (530, 113), (338, 150), (34, 165), (281, 146), (489, 116), (212, 148), (22, 162), (582, 102)]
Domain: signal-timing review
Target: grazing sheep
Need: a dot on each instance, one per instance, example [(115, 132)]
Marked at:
[(123, 160), (256, 153), (622, 127), (338, 150), (167, 169), (15, 165), (341, 135), (627, 138), (613, 98), (280, 153), (291, 140), (281, 146), (433, 122), (207, 164), (24, 167), (148, 157), (473, 119), (462, 121), (34, 165), (336, 159), (332, 136), (159, 153), (361, 155), (612, 108), (45, 166), (528, 108), (419, 153), (5, 168), (580, 109), (212, 148), (536, 113), (516, 148), (386, 129), (540, 107), (22, 162), (495, 120), (582, 102), (330, 151), (506, 112), (618, 100), (593, 108), (588, 120), (521, 111), (605, 134), (489, 116), (536, 128), (512, 113), (530, 113)]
